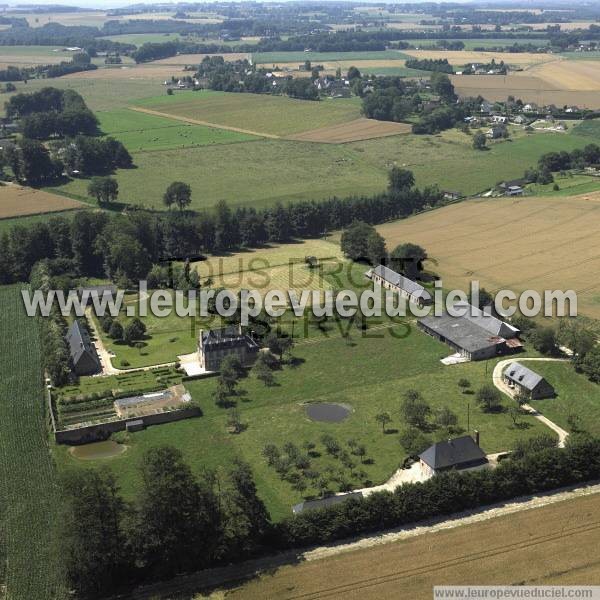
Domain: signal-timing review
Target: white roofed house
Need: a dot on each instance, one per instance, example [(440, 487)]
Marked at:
[(407, 288), (525, 381)]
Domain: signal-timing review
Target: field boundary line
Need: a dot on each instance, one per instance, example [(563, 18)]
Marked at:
[(157, 113)]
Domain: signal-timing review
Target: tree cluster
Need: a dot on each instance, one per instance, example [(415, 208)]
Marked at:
[(178, 523), (430, 64)]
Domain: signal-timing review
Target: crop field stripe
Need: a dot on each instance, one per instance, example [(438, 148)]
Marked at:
[(205, 123), (395, 576), (28, 490)]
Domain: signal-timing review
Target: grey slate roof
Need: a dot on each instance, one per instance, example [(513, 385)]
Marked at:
[(461, 332), (462, 451), (408, 285), (80, 345), (523, 376), (322, 503), (490, 323), (226, 337)]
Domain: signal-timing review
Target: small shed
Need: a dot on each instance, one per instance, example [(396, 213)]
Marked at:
[(135, 425), (528, 382)]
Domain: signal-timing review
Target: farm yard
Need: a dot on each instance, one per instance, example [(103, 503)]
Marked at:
[(547, 243), (29, 490), (18, 201)]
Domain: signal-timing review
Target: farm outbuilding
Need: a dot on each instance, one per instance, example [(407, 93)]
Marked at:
[(407, 288), (83, 353), (528, 382), (476, 335)]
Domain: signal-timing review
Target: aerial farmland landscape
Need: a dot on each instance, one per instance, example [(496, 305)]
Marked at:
[(299, 300)]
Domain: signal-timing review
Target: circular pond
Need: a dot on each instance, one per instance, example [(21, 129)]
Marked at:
[(328, 412), (97, 450)]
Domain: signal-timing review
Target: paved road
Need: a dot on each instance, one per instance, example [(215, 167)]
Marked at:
[(499, 383)]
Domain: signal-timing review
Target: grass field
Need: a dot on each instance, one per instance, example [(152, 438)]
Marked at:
[(17, 201), (589, 127), (470, 44), (32, 55), (260, 58), (568, 186), (275, 115), (545, 243), (7, 224), (138, 39), (263, 172), (143, 132), (552, 545), (28, 488)]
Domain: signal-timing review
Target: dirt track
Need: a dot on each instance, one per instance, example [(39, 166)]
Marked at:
[(205, 123)]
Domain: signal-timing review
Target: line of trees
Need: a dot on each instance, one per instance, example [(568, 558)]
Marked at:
[(126, 246), (181, 522), (430, 64)]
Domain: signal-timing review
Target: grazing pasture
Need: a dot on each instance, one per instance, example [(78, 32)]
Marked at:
[(18, 201), (29, 56), (29, 490), (138, 39), (274, 115), (143, 132), (545, 243), (353, 131), (549, 545)]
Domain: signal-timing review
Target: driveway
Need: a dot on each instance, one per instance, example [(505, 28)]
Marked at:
[(505, 389)]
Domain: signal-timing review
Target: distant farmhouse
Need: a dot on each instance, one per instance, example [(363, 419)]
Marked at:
[(215, 344), (528, 382), (459, 453), (407, 288), (476, 335), (83, 353)]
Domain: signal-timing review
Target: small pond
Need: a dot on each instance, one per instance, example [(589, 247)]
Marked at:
[(328, 412), (97, 450)]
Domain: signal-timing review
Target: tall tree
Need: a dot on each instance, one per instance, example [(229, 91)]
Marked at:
[(95, 551), (178, 523), (179, 194)]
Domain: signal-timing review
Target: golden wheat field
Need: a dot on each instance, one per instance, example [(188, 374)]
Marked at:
[(463, 57), (551, 545), (572, 75), (17, 201), (512, 243)]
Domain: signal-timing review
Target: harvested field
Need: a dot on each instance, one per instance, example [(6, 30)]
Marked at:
[(551, 545), (196, 59), (580, 75), (148, 72), (463, 57), (17, 201), (274, 268), (545, 243), (354, 131), (525, 86)]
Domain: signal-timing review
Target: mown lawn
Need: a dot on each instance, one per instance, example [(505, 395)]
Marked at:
[(576, 395)]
